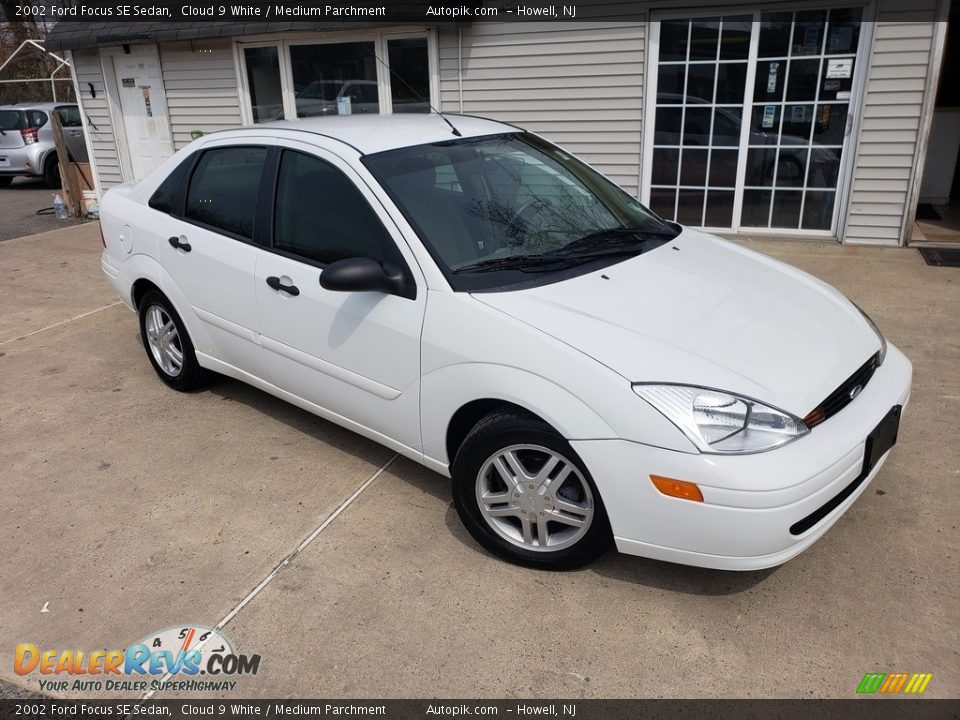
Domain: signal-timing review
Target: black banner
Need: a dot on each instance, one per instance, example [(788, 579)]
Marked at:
[(365, 11), (856, 709)]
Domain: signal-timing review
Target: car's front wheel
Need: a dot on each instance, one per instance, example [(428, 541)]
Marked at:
[(522, 493), (167, 343)]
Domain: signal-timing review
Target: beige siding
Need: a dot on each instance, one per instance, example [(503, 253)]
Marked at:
[(202, 92), (579, 84), (86, 66), (887, 145)]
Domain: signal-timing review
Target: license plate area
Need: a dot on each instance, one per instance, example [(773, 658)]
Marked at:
[(882, 438)]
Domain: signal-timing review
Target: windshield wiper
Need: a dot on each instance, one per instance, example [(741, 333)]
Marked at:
[(618, 238), (526, 263)]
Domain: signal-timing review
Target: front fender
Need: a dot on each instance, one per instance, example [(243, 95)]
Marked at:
[(447, 389)]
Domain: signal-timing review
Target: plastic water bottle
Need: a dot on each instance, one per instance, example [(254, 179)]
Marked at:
[(59, 207)]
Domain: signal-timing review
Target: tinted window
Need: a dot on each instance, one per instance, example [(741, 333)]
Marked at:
[(167, 197), (224, 188), (36, 118), (322, 216), (69, 116), (11, 120)]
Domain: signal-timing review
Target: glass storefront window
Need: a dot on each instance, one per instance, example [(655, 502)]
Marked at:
[(263, 80), (409, 75), (335, 79)]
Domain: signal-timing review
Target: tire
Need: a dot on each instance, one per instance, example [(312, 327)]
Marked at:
[(533, 501), (172, 356), (51, 172), (5, 180)]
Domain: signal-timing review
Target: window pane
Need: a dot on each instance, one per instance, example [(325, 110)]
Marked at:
[(169, 192), (690, 207), (824, 167), (760, 163), (786, 209), (670, 80), (736, 37), (665, 164), (700, 83), (808, 33), (409, 75), (696, 126), (726, 126), (321, 215), (662, 201), (818, 210), (844, 33), (719, 208), (756, 208), (673, 40), (829, 125), (768, 86), (775, 30), (224, 188), (803, 79), (263, 80), (693, 169), (765, 124), (830, 87), (723, 168), (797, 120), (668, 121), (335, 79), (731, 79), (703, 40), (792, 167)]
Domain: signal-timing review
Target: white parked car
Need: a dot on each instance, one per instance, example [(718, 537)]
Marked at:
[(495, 309)]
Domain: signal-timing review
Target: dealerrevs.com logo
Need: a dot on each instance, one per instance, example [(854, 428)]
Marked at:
[(188, 658)]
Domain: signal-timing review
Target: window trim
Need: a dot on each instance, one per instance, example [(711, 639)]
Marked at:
[(379, 38), (267, 216)]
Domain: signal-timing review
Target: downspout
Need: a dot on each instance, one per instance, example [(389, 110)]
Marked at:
[(460, 64)]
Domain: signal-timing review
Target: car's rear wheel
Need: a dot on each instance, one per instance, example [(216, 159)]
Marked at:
[(51, 172), (522, 493), (167, 343)]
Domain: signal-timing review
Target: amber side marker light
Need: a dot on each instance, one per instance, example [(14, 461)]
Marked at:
[(677, 488)]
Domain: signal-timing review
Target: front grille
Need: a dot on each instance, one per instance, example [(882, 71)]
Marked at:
[(843, 395)]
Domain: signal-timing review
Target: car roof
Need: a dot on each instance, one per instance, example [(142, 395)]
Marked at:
[(37, 106), (377, 133)]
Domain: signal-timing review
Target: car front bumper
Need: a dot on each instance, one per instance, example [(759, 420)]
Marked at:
[(749, 502)]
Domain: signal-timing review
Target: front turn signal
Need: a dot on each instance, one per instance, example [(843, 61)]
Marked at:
[(677, 488)]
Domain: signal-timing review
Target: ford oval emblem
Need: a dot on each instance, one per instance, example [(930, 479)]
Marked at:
[(855, 391)]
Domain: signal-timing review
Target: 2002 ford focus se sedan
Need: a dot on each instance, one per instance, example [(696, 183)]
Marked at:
[(490, 306)]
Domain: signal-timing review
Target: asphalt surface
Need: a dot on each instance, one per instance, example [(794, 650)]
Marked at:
[(128, 508), (26, 208)]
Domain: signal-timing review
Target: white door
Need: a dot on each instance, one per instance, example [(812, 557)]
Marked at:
[(355, 354), (143, 107)]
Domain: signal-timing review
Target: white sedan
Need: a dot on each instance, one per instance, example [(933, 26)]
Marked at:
[(486, 304)]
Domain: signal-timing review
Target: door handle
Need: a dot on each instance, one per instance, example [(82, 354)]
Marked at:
[(175, 243), (275, 283)]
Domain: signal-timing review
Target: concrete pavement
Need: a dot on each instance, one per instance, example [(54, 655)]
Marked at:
[(128, 508)]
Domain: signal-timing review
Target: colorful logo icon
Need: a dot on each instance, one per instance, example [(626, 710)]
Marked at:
[(894, 683)]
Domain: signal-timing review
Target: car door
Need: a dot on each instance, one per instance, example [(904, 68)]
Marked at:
[(206, 244), (73, 132), (356, 355)]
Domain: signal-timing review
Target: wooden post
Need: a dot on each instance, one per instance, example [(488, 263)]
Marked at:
[(71, 189)]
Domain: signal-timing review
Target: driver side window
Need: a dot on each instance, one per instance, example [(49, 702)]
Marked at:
[(322, 216)]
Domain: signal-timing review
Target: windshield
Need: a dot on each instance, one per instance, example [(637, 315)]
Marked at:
[(11, 120), (493, 210)]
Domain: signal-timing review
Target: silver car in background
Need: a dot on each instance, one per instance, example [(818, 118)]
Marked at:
[(26, 141)]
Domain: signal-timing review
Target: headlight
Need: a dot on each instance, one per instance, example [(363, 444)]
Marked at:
[(873, 325), (719, 422)]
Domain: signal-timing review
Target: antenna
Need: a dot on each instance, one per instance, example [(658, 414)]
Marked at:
[(414, 91)]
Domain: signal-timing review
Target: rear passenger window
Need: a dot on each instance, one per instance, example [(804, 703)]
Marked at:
[(224, 188), (168, 197), (322, 216), (69, 116)]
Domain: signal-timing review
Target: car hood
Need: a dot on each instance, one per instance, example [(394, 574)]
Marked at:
[(702, 311)]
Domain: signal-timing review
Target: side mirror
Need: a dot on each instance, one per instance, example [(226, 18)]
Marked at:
[(362, 274)]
